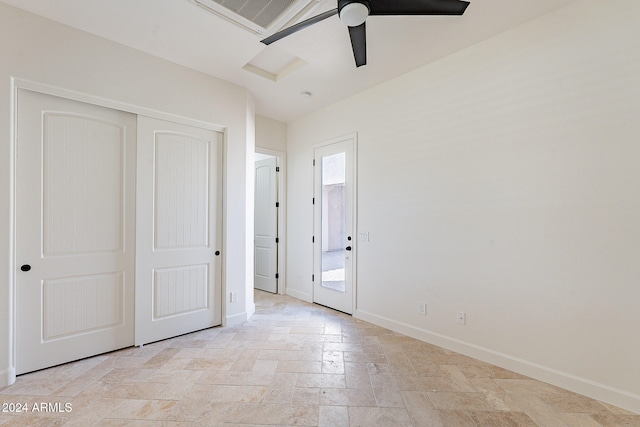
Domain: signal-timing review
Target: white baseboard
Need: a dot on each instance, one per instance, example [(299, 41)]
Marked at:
[(299, 295), (586, 387), (7, 377), (236, 319)]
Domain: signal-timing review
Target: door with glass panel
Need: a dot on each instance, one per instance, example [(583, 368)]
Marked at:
[(334, 245)]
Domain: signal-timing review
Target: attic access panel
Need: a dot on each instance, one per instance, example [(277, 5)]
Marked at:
[(259, 16)]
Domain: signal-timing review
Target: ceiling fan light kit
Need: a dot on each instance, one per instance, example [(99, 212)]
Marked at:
[(353, 13)]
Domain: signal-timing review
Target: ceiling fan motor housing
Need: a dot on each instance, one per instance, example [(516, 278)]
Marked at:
[(353, 12)]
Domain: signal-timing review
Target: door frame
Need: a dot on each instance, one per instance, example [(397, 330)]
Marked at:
[(9, 376), (353, 137), (281, 162)]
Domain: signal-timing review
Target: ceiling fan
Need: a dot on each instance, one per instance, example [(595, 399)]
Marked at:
[(354, 13)]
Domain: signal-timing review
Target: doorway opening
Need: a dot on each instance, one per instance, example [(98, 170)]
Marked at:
[(269, 221)]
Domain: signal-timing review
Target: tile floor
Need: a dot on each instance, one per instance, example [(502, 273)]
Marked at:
[(294, 363)]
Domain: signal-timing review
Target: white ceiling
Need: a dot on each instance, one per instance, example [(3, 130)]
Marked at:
[(181, 32)]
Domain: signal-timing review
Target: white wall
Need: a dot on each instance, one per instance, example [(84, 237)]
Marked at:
[(40, 50), (271, 134), (503, 181)]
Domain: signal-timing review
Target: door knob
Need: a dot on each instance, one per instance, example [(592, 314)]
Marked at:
[(25, 267), (348, 248)]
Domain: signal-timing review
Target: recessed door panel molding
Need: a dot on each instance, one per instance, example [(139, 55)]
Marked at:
[(75, 230), (83, 184), (76, 305), (181, 194), (180, 290)]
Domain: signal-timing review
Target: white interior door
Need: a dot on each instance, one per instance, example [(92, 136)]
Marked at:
[(179, 223), (75, 219), (334, 244), (266, 225)]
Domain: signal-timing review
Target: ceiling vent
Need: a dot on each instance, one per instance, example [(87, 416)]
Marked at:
[(259, 16)]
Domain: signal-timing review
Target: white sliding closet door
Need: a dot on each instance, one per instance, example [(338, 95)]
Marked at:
[(75, 219), (178, 274)]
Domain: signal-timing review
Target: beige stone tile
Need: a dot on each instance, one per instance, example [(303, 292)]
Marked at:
[(362, 357), (289, 355), (173, 391), (456, 378), (36, 421), (262, 414), (245, 360), (569, 402), (420, 409), (579, 420), (333, 416), (443, 358), (616, 410), (299, 366), (73, 388), (235, 378), (425, 367), (177, 376), (357, 375), (265, 366), (616, 420), (390, 417), (234, 393), (295, 363), (161, 358), (189, 410), (383, 381), (342, 346), (332, 328), (332, 362), (494, 395), (306, 396), (208, 364), (281, 388), (388, 397), (452, 418), (321, 380), (501, 419), (488, 371), (402, 368), (527, 386), (459, 401), (36, 387), (347, 397), (317, 330), (414, 383), (538, 411), (147, 391), (143, 409), (134, 375)]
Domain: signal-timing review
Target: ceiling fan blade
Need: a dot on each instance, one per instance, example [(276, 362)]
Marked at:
[(417, 7), (359, 44), (299, 26)]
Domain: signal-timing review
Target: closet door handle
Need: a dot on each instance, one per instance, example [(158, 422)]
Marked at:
[(25, 267), (348, 248)]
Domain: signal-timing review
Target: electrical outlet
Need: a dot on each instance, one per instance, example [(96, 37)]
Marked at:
[(422, 308), (364, 236), (462, 318), (234, 296)]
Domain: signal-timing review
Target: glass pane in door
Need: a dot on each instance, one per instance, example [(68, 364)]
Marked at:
[(333, 222)]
